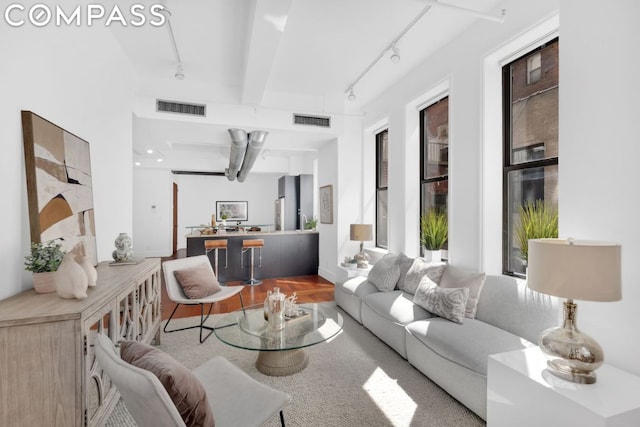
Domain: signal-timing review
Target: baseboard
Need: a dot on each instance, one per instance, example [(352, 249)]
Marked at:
[(327, 274)]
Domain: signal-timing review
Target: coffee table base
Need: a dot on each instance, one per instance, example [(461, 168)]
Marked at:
[(282, 363)]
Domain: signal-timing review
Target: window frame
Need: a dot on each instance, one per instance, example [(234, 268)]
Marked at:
[(379, 187), (507, 164), (423, 143)]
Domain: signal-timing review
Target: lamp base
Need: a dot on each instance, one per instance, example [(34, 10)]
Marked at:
[(568, 373), (573, 356), (362, 259)]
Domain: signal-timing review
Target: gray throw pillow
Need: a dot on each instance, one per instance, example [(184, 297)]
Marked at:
[(198, 282), (404, 262), (384, 273), (449, 303), (456, 277), (419, 269)]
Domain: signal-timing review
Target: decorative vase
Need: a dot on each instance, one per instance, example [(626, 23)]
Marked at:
[(71, 280), (89, 269), (266, 306), (276, 310), (433, 256), (123, 250), (44, 283)]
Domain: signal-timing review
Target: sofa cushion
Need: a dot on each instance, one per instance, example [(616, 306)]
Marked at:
[(404, 262), (449, 303), (468, 344), (385, 273), (358, 286), (420, 268), (456, 277), (396, 306)]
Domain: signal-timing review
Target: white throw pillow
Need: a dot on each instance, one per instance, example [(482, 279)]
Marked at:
[(384, 273), (456, 277), (404, 262), (449, 303), (419, 269)]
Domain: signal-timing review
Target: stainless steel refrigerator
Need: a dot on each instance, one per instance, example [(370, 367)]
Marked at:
[(280, 216)]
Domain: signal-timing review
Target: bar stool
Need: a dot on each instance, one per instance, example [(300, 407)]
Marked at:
[(216, 245), (251, 245)]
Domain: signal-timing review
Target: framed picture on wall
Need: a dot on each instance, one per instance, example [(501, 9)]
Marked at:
[(326, 204), (59, 190), (233, 211)]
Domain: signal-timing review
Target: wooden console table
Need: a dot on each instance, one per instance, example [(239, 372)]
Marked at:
[(48, 372)]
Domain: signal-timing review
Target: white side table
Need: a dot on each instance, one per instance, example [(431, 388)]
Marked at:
[(521, 392), (345, 273)]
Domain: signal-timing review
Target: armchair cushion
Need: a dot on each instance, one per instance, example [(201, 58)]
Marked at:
[(197, 282), (184, 389)]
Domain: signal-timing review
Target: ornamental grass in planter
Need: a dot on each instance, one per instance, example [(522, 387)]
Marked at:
[(43, 262), (538, 220), (434, 230)]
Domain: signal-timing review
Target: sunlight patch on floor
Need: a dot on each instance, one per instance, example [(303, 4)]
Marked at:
[(390, 398)]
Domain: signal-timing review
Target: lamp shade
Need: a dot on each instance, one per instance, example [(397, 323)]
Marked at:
[(361, 232), (575, 269)]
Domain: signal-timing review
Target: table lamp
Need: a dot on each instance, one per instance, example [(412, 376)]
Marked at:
[(574, 269), (362, 233)]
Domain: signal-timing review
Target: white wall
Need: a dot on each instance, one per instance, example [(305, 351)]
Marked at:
[(599, 152), (458, 70), (153, 213), (85, 88), (328, 175), (197, 196)]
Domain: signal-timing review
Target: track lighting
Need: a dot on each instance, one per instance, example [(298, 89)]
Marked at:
[(395, 54), (391, 47)]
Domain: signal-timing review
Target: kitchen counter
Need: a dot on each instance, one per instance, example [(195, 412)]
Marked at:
[(285, 253)]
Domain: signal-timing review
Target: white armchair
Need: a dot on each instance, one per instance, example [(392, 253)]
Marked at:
[(177, 295), (235, 398)]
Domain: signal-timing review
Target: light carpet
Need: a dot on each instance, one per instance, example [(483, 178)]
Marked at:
[(353, 380)]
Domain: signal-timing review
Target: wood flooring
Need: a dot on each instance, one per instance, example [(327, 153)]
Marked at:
[(307, 288)]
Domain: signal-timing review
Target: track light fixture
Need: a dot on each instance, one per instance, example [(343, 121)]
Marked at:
[(392, 47), (179, 72), (395, 54)]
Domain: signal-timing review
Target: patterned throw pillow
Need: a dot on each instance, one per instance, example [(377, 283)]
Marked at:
[(449, 303), (456, 277), (404, 262), (418, 270), (385, 273)]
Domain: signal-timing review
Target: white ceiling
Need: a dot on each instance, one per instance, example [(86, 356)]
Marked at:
[(248, 57)]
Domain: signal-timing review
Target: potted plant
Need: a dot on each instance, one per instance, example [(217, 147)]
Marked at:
[(311, 224), (433, 233), (538, 220), (43, 262), (224, 217)]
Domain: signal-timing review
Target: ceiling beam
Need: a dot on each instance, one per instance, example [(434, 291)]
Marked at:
[(266, 26)]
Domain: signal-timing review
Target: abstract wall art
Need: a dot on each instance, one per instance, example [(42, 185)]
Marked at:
[(59, 190), (326, 204)]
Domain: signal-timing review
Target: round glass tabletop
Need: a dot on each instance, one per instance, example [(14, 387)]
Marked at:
[(248, 329)]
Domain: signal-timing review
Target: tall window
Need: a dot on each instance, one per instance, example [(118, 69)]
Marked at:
[(382, 174), (434, 157), (530, 123)]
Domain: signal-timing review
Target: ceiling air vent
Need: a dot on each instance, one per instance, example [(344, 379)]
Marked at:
[(324, 122), (181, 108)]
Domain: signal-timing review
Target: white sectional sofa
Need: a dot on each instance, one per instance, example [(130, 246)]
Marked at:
[(509, 317)]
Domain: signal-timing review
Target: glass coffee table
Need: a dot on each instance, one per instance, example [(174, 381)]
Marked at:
[(280, 352)]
